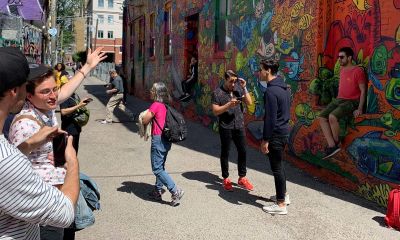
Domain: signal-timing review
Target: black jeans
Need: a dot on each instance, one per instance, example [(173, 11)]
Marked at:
[(276, 147), (238, 137), (187, 85)]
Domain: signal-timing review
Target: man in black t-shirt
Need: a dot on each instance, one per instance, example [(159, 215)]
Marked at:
[(226, 104)]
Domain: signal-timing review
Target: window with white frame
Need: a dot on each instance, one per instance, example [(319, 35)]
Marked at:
[(110, 19), (110, 34), (101, 18), (100, 3), (100, 34), (110, 3)]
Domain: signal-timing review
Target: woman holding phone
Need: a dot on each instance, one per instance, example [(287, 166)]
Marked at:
[(43, 97), (67, 110)]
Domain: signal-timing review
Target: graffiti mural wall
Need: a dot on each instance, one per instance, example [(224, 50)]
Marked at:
[(32, 39), (304, 35)]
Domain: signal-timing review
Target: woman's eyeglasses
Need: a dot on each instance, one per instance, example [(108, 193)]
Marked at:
[(48, 91)]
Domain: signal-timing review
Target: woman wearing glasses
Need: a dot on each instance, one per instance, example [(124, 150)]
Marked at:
[(38, 114)]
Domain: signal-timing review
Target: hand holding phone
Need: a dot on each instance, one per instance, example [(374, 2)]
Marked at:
[(59, 146), (240, 98), (87, 100)]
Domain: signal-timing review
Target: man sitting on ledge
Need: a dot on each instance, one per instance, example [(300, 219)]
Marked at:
[(350, 100)]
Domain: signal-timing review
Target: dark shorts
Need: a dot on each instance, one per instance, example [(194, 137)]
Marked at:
[(340, 108)]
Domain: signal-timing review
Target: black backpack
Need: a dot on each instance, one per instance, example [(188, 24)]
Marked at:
[(175, 129)]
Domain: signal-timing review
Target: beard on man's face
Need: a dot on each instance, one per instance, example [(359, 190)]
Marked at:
[(17, 107)]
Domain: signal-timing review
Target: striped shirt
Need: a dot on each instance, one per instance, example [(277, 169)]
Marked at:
[(26, 200)]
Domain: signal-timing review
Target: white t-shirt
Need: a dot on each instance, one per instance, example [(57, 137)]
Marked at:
[(26, 200), (21, 130)]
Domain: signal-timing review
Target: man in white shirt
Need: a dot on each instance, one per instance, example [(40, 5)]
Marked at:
[(25, 199)]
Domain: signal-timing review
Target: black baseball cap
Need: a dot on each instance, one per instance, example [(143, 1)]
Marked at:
[(14, 68), (38, 70)]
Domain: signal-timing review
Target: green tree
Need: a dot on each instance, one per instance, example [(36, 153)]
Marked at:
[(67, 11)]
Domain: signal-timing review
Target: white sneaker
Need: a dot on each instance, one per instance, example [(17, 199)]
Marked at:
[(287, 199), (275, 209), (105, 122)]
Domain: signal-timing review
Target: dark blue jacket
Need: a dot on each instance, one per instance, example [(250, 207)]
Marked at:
[(277, 109)]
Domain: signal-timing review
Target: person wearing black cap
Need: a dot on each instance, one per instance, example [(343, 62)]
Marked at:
[(26, 200), (38, 112)]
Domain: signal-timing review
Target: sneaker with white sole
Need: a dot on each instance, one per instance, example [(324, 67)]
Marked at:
[(106, 122), (331, 151), (176, 197), (275, 209), (287, 199)]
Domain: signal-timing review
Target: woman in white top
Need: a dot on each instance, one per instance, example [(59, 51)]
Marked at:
[(43, 97)]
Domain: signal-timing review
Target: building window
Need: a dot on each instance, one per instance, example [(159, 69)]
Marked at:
[(141, 38), (152, 44), (167, 29), (222, 24), (101, 18), (100, 34), (110, 34), (110, 19), (110, 3), (101, 3), (120, 17)]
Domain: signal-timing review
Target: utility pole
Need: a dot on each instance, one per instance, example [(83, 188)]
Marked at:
[(53, 14), (61, 45), (88, 27), (95, 34)]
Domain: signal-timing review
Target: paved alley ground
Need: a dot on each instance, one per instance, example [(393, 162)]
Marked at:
[(119, 161)]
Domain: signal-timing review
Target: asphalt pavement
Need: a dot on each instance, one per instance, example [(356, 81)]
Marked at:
[(119, 161)]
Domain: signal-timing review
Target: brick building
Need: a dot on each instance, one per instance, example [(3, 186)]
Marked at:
[(305, 37), (106, 27)]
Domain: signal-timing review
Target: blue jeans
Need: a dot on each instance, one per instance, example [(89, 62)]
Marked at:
[(159, 152)]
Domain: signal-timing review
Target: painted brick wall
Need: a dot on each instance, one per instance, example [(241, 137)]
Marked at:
[(304, 35)]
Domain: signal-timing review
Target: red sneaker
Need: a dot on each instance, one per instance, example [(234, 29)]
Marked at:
[(245, 183), (228, 185)]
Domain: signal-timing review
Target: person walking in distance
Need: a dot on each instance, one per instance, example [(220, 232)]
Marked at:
[(159, 145), (350, 100), (117, 95), (276, 131), (227, 106)]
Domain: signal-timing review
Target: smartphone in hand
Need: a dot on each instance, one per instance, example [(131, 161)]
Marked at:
[(88, 100), (59, 146), (240, 98)]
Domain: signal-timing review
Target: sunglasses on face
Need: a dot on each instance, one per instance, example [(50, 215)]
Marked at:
[(48, 91)]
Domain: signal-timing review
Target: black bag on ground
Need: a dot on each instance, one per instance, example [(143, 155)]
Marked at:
[(175, 129)]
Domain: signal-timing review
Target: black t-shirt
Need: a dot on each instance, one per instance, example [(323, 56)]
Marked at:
[(67, 123), (233, 118)]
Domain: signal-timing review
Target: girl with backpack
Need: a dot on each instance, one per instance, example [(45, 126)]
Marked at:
[(159, 145)]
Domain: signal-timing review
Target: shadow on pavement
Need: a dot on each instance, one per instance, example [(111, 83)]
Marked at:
[(140, 189), (239, 196), (204, 140), (380, 220)]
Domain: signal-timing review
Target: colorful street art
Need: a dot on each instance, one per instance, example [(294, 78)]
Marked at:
[(32, 39), (304, 36)]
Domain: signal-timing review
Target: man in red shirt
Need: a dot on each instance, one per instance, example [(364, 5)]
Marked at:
[(350, 100)]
